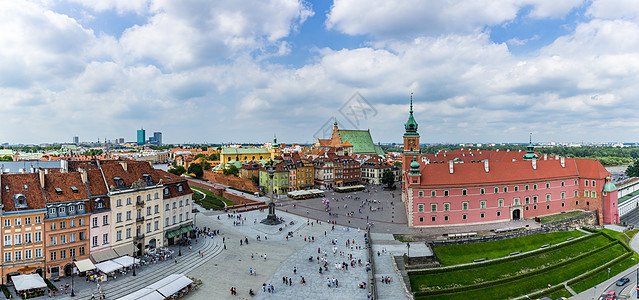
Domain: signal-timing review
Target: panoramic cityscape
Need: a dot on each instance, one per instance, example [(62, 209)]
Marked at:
[(303, 149)]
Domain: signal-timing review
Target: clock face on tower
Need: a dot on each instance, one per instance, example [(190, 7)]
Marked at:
[(411, 142)]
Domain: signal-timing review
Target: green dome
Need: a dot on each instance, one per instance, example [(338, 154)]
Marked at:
[(609, 187), (414, 165), (411, 124)]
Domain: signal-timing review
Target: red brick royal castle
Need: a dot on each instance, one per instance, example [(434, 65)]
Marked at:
[(478, 186)]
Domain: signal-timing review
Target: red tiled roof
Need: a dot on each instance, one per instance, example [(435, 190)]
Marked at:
[(16, 183), (465, 174), (64, 181)]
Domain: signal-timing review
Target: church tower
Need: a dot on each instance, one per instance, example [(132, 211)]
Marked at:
[(411, 139)]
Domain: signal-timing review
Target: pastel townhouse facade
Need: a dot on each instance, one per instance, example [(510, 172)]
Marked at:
[(463, 190), (280, 178), (66, 222), (133, 191), (323, 173), (177, 215), (22, 213), (100, 206)]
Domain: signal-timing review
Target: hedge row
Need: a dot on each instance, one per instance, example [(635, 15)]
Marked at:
[(513, 278), (546, 292), (501, 260)]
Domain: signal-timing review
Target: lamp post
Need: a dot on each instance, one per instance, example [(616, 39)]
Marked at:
[(72, 282), (134, 254), (408, 246)]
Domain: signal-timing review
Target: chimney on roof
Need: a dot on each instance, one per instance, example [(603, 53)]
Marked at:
[(545, 156), (124, 165), (450, 167), (41, 176), (64, 166), (83, 175), (563, 162), (507, 150), (519, 150), (486, 166), (556, 156), (534, 163)]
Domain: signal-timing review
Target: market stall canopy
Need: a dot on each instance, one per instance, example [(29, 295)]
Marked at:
[(126, 261), (143, 294), (177, 231), (84, 265), (104, 255), (126, 249), (171, 284), (108, 266), (29, 281)]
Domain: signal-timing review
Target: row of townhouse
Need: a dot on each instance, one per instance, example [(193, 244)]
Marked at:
[(97, 209)]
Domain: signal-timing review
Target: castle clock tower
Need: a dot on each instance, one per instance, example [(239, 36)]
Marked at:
[(411, 140)]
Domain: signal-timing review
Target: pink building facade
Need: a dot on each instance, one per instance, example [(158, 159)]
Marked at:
[(478, 187)]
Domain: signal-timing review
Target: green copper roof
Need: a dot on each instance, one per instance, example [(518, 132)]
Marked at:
[(360, 139), (414, 168), (239, 151), (411, 124), (530, 151), (609, 187)]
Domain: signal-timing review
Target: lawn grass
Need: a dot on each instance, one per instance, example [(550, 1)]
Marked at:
[(560, 216), (560, 293), (459, 254), (603, 276), (540, 281), (210, 201), (484, 273)]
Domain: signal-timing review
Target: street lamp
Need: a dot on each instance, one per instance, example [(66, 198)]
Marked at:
[(408, 246), (72, 282), (134, 255)]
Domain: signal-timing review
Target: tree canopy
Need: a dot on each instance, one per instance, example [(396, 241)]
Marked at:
[(388, 178), (633, 170), (179, 170), (231, 170), (196, 169)]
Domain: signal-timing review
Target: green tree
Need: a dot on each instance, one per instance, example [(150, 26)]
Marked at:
[(231, 170), (214, 156), (93, 152), (6, 158), (256, 180), (199, 155), (205, 165), (388, 178), (633, 170), (179, 170), (196, 169)]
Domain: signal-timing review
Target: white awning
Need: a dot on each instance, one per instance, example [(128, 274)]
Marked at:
[(126, 249), (108, 266), (126, 261), (84, 265), (171, 284), (104, 255), (143, 294), (29, 281)]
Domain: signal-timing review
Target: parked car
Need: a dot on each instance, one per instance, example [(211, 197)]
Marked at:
[(622, 281), (611, 295)]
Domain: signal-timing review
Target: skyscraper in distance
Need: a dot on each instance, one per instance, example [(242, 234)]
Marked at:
[(76, 140), (141, 136), (157, 136)]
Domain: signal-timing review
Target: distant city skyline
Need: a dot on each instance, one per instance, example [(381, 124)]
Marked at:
[(239, 71)]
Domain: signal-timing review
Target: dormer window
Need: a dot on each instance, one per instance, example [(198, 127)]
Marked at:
[(167, 192), (61, 209), (52, 211), (74, 189), (99, 203), (26, 188), (180, 188), (6, 187), (147, 178), (58, 191), (119, 182), (20, 200), (81, 207)]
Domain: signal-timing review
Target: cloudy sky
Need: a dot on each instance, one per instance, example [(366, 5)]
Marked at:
[(240, 71)]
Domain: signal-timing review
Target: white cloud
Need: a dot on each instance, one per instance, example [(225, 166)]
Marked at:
[(409, 18)]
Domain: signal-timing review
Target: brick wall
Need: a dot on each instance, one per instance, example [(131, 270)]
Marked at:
[(221, 192), (230, 180)]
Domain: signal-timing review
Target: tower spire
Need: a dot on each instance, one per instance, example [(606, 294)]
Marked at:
[(411, 102)]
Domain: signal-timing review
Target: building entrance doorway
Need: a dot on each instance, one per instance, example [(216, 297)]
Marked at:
[(516, 214)]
